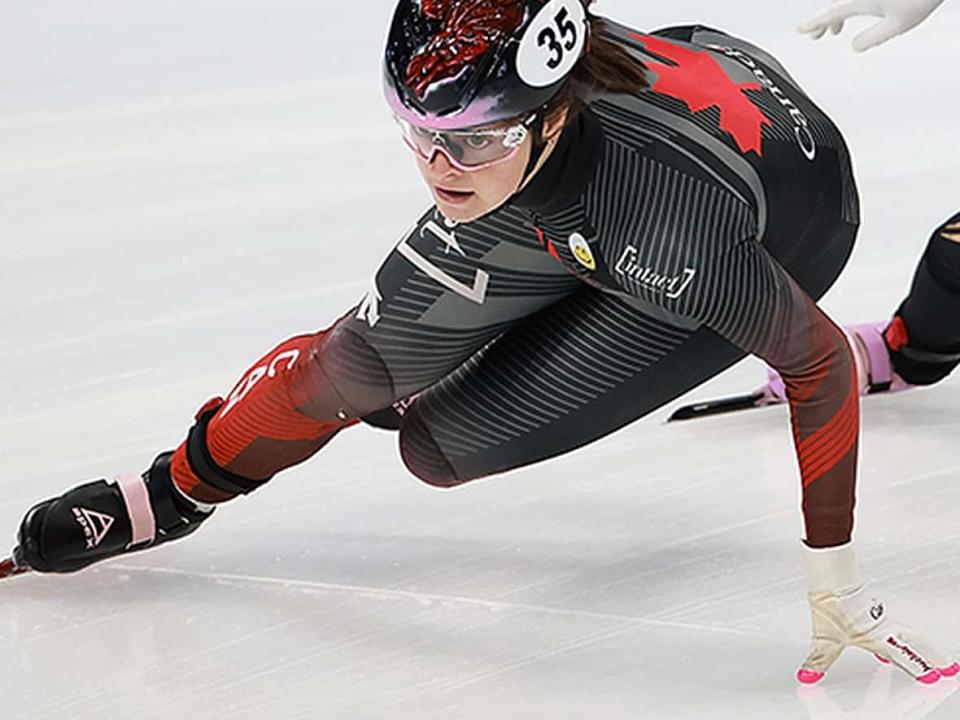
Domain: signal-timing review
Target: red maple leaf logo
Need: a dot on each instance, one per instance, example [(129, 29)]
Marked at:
[(697, 79), (468, 29)]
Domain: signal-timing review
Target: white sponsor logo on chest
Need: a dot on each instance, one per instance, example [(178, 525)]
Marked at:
[(672, 285)]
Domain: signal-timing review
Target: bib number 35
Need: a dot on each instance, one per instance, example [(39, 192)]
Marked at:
[(552, 43), (548, 38)]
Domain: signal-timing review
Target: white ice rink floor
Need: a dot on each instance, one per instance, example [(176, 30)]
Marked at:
[(183, 184)]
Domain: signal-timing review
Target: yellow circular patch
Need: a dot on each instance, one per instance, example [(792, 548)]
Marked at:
[(581, 251)]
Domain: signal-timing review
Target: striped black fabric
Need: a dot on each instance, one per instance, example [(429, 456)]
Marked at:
[(692, 252)]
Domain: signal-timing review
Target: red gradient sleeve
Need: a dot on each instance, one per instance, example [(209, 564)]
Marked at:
[(281, 412)]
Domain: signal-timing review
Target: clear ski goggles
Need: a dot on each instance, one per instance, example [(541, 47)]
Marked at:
[(466, 150)]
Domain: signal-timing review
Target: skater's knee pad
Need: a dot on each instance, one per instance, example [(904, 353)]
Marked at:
[(926, 347), (421, 453), (924, 337), (920, 367)]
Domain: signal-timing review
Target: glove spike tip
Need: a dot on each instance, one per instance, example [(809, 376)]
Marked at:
[(809, 677), (930, 678)]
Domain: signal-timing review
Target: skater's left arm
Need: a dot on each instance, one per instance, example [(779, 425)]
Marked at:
[(758, 306), (753, 302)]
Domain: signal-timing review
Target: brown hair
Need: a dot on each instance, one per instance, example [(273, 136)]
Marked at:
[(607, 67)]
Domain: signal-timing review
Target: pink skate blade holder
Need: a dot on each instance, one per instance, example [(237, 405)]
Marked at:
[(879, 369)]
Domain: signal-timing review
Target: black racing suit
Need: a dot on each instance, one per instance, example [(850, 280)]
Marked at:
[(668, 235)]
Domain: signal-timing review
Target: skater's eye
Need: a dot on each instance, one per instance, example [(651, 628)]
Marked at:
[(478, 142)]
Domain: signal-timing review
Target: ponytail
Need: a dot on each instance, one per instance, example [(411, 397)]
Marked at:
[(607, 67)]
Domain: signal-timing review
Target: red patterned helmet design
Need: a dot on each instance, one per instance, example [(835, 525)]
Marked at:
[(469, 28)]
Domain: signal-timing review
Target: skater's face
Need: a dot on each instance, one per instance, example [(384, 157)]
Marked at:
[(463, 192)]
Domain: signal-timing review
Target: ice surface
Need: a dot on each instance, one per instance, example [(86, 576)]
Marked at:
[(182, 184)]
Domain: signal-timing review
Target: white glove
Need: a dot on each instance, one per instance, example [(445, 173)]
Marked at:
[(898, 17), (845, 614)]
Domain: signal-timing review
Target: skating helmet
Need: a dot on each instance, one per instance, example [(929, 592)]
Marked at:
[(453, 64)]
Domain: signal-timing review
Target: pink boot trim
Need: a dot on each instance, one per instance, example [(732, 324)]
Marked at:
[(809, 677), (875, 369), (775, 391)]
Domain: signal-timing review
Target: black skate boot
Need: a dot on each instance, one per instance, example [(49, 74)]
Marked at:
[(102, 519)]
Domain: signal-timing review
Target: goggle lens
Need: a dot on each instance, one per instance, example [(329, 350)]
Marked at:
[(466, 149)]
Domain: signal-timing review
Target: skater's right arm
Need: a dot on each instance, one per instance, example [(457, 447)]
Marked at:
[(747, 297), (759, 307)]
